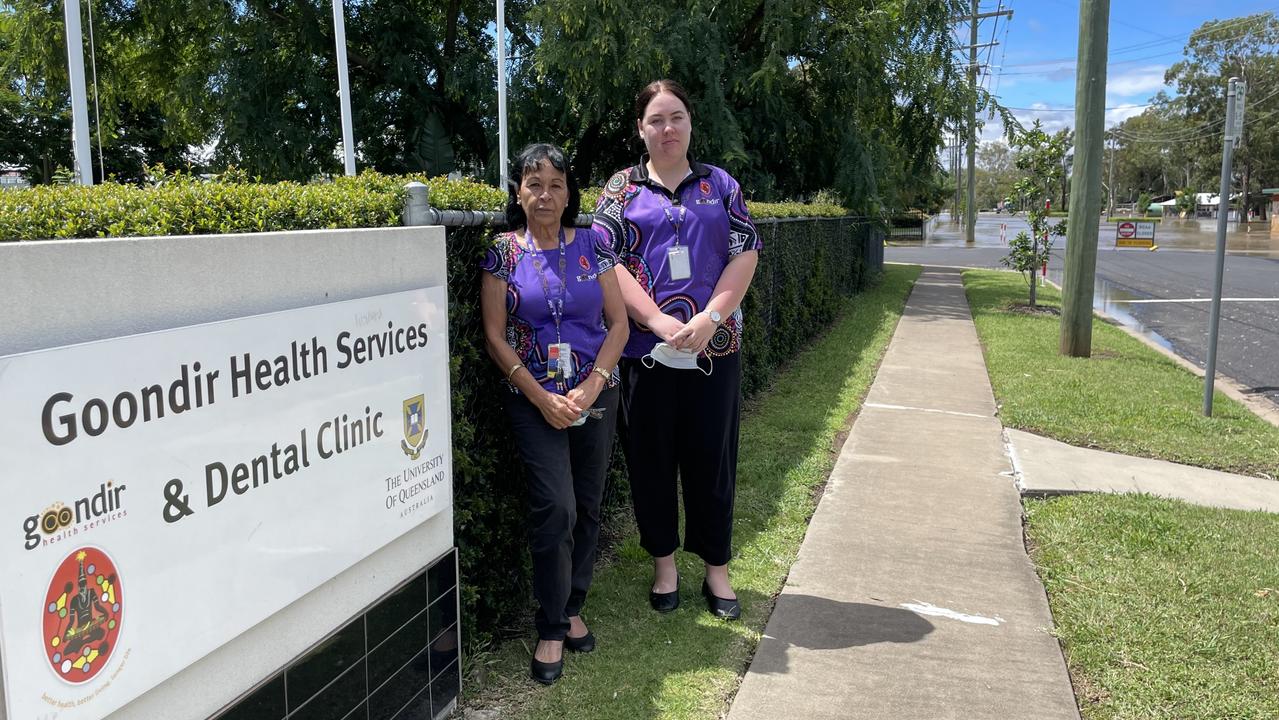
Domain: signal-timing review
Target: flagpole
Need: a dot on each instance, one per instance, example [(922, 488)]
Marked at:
[(79, 96), (344, 88), (501, 91)]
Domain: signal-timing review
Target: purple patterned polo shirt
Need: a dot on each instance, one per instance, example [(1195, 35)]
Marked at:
[(530, 326), (639, 216)]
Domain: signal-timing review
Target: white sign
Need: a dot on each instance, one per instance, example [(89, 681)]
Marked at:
[(165, 492), (1138, 233), (1241, 93)]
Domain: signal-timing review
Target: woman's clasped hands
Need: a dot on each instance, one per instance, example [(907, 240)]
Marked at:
[(559, 411), (692, 336)]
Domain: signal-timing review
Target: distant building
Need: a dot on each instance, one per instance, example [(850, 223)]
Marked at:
[(12, 176), (1273, 194)]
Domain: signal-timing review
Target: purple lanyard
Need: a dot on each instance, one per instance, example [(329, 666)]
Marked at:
[(556, 307), (675, 225)]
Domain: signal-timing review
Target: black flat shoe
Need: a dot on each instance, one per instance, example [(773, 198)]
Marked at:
[(719, 607), (546, 673), (583, 644), (665, 602)]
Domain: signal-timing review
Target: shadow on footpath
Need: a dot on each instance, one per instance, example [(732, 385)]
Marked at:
[(836, 625)]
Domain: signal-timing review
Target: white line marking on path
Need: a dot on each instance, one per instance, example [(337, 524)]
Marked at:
[(1191, 300), (882, 406), (923, 608)]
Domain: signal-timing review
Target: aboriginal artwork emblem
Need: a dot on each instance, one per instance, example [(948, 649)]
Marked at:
[(616, 184), (84, 607), (636, 266)]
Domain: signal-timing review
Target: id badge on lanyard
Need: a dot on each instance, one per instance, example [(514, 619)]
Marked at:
[(559, 361), (677, 258), (677, 261)]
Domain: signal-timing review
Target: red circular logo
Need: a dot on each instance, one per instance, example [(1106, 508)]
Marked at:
[(1127, 230), (83, 610), (705, 187)]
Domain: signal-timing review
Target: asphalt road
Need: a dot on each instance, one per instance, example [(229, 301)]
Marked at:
[(1164, 294)]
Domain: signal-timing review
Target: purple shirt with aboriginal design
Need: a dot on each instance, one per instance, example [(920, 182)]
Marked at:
[(636, 214), (530, 326)]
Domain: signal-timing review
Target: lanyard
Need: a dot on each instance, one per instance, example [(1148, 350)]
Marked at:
[(556, 306), (675, 225)]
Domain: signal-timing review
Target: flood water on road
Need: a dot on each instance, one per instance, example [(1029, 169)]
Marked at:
[(1170, 234), (1116, 301)]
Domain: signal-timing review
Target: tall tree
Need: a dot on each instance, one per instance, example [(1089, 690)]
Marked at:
[(792, 96), (1247, 48)]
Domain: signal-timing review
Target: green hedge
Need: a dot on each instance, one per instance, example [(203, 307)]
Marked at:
[(232, 203), (806, 268), (184, 205)]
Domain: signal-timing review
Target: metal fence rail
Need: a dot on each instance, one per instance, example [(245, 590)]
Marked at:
[(418, 211)]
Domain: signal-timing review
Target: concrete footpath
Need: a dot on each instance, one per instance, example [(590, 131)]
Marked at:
[(1048, 467), (912, 596)]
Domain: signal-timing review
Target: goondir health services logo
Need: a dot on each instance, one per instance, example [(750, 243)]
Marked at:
[(83, 611)]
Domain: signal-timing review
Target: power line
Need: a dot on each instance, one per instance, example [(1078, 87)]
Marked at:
[(1072, 109), (1072, 67), (1198, 132), (1148, 44), (1004, 51)]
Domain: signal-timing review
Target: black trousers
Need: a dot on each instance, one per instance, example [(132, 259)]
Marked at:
[(683, 423), (565, 471)]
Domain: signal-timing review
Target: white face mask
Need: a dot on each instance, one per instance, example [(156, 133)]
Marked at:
[(674, 358)]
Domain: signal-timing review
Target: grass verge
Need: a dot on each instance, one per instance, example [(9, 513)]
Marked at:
[(686, 664), (1127, 398), (1165, 610)]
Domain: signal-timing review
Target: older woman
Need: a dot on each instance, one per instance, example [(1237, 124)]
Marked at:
[(687, 251), (555, 326)]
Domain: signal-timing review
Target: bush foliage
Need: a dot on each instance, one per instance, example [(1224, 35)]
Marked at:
[(807, 267), (181, 204)]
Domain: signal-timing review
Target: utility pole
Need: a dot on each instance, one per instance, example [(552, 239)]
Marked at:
[(1234, 128), (1110, 184), (955, 168), (1085, 186), (970, 216), (79, 94)]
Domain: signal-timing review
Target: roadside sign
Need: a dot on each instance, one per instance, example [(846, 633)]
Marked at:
[(1241, 90), (1135, 233)]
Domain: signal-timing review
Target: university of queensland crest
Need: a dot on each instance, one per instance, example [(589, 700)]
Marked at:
[(414, 426)]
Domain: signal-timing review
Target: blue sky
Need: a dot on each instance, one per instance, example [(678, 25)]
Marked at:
[(1034, 67)]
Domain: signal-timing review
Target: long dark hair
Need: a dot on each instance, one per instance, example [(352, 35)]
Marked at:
[(651, 91), (530, 158)]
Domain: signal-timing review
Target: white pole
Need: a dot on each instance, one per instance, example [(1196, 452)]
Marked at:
[(79, 99), (501, 91), (344, 87)]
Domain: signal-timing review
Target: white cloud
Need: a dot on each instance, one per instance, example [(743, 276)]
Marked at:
[(1137, 81), (1052, 119), (1120, 113)]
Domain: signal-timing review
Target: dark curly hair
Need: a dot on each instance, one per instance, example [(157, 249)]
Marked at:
[(531, 158)]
